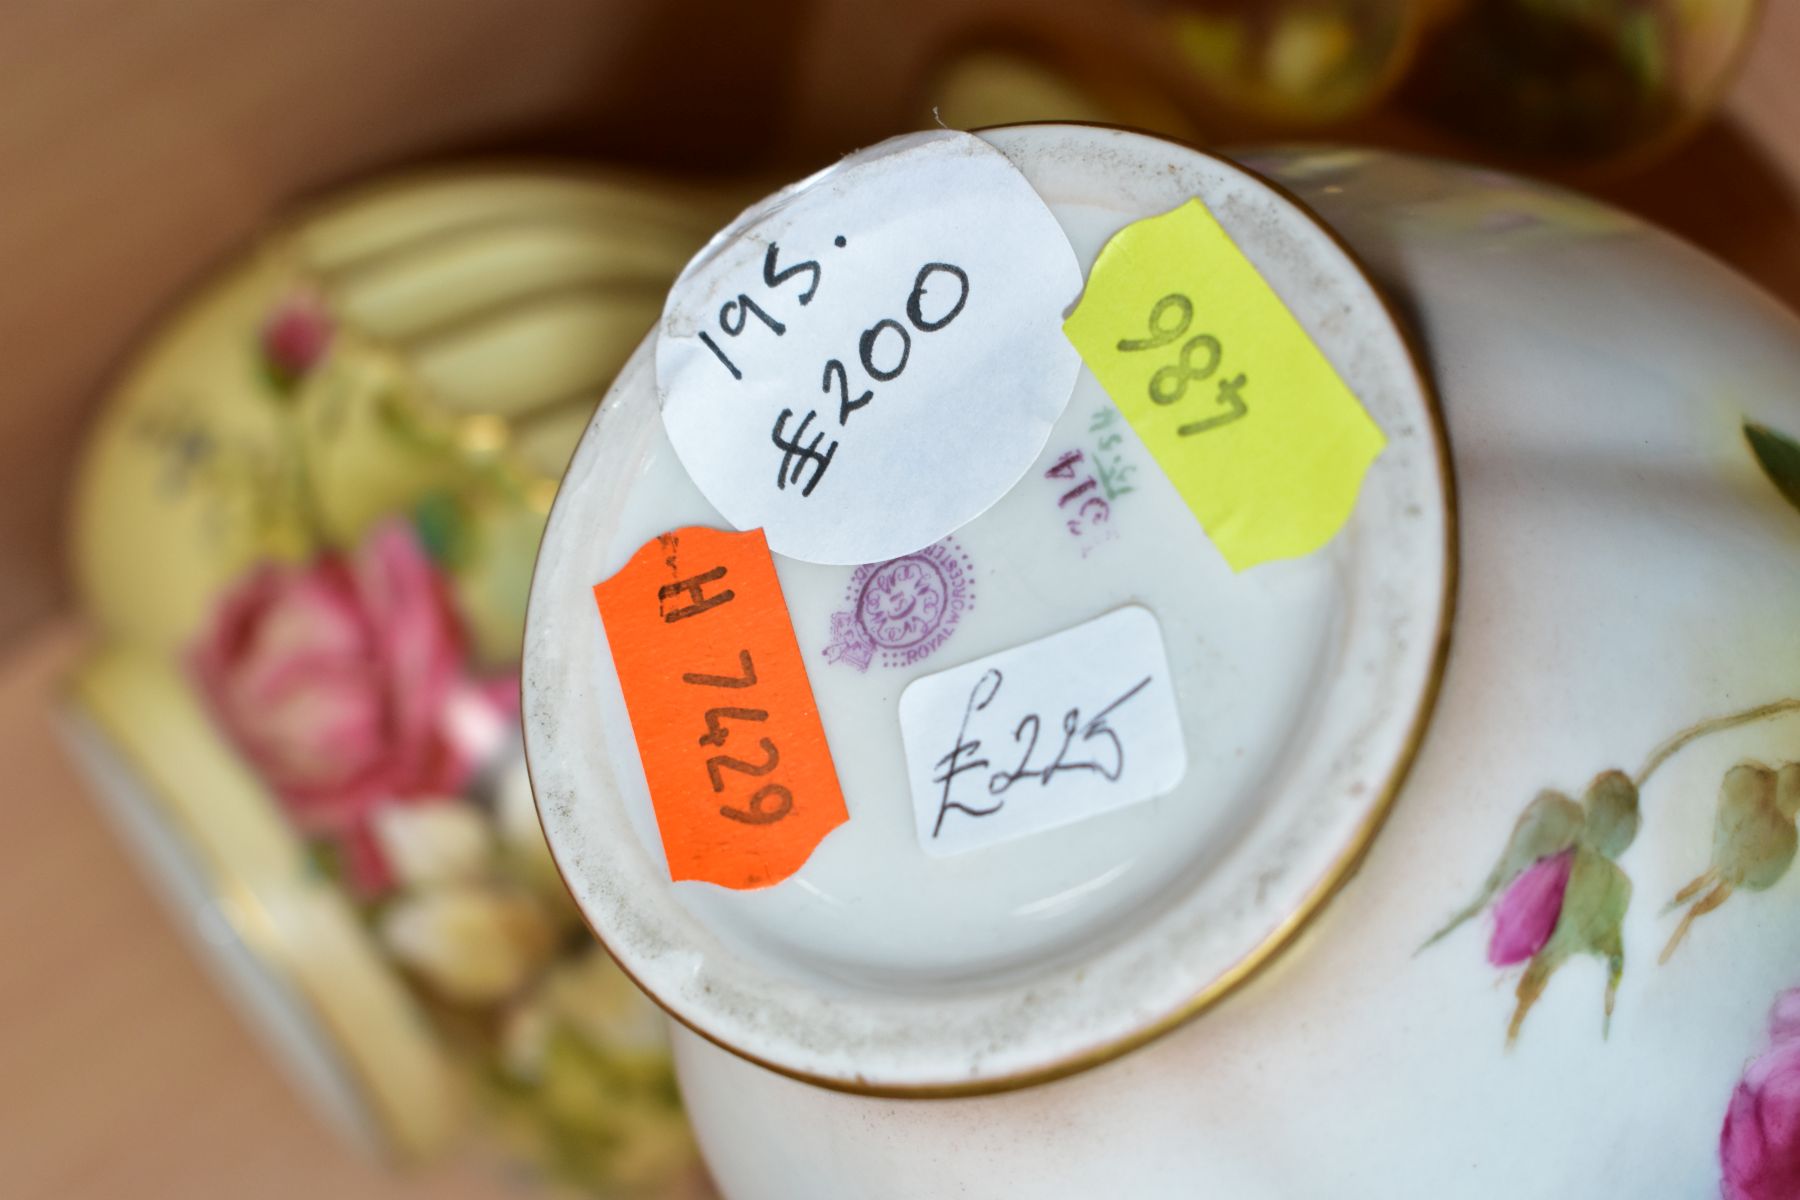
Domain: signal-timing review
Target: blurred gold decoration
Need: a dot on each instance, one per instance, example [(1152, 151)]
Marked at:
[(1560, 85), (1287, 63), (1571, 83)]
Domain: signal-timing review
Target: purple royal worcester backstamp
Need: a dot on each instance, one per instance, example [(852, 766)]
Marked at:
[(902, 609)]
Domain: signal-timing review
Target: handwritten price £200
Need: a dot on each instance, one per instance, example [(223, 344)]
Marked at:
[(882, 351)]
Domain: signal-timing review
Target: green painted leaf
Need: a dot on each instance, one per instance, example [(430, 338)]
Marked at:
[(1549, 825), (1753, 840), (1594, 904), (443, 528), (1593, 920), (1787, 790), (1611, 802), (1779, 456)]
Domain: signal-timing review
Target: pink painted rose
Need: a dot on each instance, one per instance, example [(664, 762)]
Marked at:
[(1759, 1147), (1527, 912), (296, 335), (344, 683)]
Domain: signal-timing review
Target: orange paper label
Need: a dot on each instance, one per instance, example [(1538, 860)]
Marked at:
[(740, 774)]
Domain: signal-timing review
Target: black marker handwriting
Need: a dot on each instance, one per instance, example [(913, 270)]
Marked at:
[(1095, 736), (952, 764)]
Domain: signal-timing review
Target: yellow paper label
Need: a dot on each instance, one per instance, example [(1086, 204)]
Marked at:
[(1264, 441)]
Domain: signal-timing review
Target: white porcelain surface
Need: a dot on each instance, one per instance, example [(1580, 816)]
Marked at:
[(1626, 572), (1301, 686)]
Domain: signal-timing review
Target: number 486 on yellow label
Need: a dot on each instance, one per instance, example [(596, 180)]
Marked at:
[(1265, 442)]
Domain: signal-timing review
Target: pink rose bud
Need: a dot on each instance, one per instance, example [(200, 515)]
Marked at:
[(1526, 915), (296, 335)]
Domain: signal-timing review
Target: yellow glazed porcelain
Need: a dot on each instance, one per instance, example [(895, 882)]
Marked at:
[(406, 366)]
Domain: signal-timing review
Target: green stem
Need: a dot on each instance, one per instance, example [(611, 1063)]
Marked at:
[(1674, 745), (306, 493)]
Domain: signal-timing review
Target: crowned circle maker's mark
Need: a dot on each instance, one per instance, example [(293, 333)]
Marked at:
[(903, 602), (902, 609)]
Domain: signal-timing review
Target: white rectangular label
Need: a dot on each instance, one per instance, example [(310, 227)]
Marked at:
[(1057, 730)]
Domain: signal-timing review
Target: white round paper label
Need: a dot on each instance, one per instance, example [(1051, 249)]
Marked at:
[(869, 359)]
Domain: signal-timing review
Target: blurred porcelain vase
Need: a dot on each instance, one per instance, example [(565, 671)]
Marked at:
[(1455, 783)]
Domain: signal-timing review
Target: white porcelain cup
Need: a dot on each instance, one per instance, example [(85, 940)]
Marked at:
[(1556, 632)]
